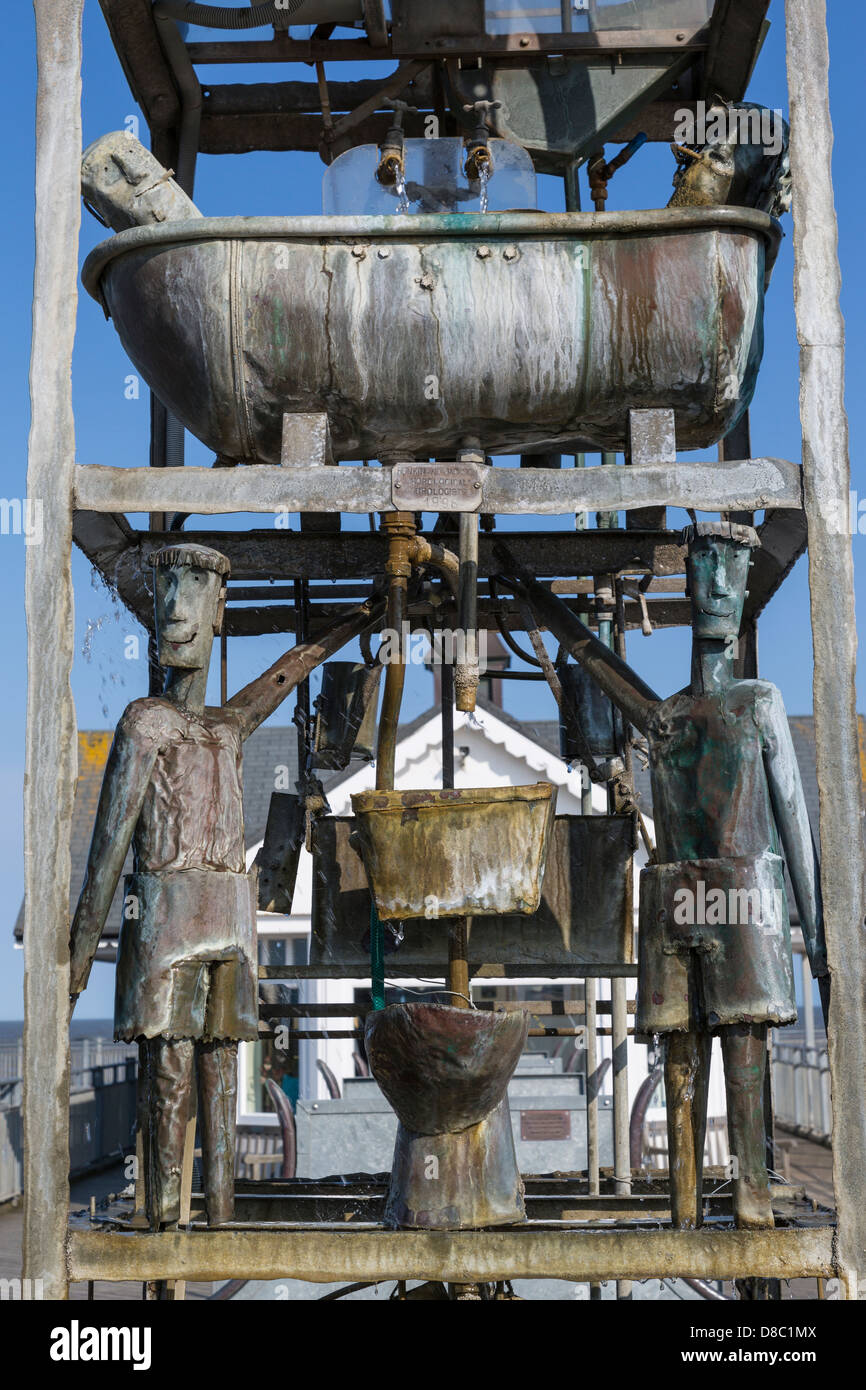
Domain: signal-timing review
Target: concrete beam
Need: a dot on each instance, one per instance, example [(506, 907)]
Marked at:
[(51, 758), (826, 470), (736, 485), (325, 1256)]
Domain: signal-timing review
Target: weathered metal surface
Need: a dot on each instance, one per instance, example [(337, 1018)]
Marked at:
[(445, 1071), (51, 769), (726, 787), (437, 487), (128, 187), (600, 721), (474, 1183), (585, 914), (213, 313), (821, 334), (169, 1070), (564, 111), (730, 486), (186, 975), (362, 1200), (328, 1256), (346, 714), (470, 852), (277, 860)]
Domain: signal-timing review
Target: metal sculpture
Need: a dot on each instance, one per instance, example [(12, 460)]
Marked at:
[(714, 947), (186, 985), (445, 1071)]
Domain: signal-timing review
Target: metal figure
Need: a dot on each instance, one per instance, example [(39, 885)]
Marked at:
[(186, 983), (714, 946)]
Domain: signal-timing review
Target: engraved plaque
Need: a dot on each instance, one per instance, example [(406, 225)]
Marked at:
[(437, 487), (545, 1124)]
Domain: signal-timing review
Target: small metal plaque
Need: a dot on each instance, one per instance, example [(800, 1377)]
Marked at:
[(437, 487), (545, 1124)]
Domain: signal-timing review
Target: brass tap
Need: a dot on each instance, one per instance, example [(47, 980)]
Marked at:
[(391, 168), (478, 154)]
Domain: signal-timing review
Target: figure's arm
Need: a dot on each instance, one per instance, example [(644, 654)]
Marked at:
[(266, 693), (127, 773), (616, 678), (792, 821)]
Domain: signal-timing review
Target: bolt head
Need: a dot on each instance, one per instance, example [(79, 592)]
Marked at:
[(511, 253), (483, 252), (359, 252), (383, 253)]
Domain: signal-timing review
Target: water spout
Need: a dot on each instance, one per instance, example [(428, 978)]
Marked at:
[(484, 180), (400, 189)]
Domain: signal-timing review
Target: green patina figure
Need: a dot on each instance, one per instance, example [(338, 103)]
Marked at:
[(186, 983), (715, 942)]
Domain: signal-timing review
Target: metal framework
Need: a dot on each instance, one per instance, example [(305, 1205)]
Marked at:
[(86, 504)]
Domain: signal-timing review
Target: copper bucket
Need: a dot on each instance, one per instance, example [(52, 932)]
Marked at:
[(475, 852), (445, 1071)]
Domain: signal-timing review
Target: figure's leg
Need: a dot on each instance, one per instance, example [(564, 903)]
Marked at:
[(744, 1050), (687, 1074), (217, 1091), (165, 1090)]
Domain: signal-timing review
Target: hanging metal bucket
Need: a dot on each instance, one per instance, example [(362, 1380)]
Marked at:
[(346, 714), (471, 852), (277, 860)]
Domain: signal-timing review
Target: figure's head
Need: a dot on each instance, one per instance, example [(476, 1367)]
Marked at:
[(717, 572), (189, 600)]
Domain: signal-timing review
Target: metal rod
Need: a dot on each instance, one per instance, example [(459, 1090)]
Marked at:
[(621, 1146), (592, 1158)]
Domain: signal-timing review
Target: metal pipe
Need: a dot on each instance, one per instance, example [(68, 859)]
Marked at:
[(191, 98), (189, 87), (466, 676), (632, 695), (400, 530), (256, 16), (593, 1167), (621, 1150), (430, 553)]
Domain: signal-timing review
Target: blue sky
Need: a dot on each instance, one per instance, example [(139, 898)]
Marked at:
[(112, 429)]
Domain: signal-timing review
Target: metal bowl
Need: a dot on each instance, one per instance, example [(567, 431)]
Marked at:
[(443, 1069)]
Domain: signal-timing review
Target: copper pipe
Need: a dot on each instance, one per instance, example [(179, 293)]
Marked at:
[(400, 530), (424, 552)]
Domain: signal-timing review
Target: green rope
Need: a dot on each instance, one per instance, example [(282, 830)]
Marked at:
[(377, 959)]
